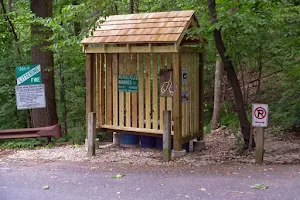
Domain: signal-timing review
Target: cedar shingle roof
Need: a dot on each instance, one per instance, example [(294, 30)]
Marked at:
[(160, 27)]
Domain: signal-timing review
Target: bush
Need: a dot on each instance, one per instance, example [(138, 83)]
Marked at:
[(29, 143)]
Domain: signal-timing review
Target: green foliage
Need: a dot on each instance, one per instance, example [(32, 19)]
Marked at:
[(22, 143)]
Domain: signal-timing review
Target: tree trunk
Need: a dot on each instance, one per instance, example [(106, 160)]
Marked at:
[(215, 122), (228, 66), (40, 55), (9, 5), (63, 100), (131, 7)]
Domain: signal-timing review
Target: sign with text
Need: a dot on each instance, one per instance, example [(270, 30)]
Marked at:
[(28, 74), (127, 83), (30, 96), (260, 115)]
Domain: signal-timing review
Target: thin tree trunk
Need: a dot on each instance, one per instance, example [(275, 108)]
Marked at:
[(228, 66), (215, 122), (39, 55), (257, 96), (63, 100), (9, 5), (131, 7)]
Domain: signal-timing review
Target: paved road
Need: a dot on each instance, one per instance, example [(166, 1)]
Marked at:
[(69, 181)]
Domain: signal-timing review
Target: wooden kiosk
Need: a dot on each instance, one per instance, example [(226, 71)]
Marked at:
[(139, 65)]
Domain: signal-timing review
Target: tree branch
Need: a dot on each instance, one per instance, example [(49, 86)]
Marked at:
[(11, 26)]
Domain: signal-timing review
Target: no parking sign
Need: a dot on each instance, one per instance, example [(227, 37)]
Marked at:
[(260, 115)]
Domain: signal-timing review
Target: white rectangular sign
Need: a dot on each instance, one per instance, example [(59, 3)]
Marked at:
[(30, 96), (260, 115)]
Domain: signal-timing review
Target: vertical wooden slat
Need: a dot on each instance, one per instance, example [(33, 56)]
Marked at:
[(148, 92), (185, 105), (121, 94), (141, 90), (201, 93), (177, 103), (109, 96), (162, 100), (154, 91), (192, 92), (98, 86), (134, 94), (169, 99), (128, 94), (197, 89), (115, 68), (101, 92), (190, 103), (90, 86)]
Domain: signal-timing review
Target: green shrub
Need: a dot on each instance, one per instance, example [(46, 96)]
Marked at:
[(29, 143)]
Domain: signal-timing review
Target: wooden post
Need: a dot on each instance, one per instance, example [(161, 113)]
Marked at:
[(167, 135), (91, 133), (177, 103), (259, 149), (201, 94), (90, 86)]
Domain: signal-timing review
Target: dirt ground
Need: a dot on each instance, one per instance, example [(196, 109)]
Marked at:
[(221, 149)]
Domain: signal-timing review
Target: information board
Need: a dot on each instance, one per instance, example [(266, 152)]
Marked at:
[(30, 96), (127, 83)]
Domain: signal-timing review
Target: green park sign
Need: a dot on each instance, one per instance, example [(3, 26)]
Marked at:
[(28, 75), (127, 83)]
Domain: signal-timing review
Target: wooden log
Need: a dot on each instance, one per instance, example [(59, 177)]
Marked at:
[(259, 149), (167, 135), (91, 133)]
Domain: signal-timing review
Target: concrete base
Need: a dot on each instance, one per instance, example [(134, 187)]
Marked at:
[(97, 143), (199, 145), (178, 154), (191, 146), (116, 139)]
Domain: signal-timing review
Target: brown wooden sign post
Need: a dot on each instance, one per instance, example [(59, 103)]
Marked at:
[(260, 121)]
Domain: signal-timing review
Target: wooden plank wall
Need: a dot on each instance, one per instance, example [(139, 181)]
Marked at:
[(144, 108)]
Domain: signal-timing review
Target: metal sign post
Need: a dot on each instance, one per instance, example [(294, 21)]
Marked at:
[(260, 121)]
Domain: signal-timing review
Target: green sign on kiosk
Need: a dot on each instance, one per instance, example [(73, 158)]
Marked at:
[(28, 75), (127, 83)]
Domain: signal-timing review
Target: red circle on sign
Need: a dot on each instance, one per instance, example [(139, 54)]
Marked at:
[(260, 113)]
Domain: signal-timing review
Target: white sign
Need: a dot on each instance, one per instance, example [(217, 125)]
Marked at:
[(260, 115), (30, 96)]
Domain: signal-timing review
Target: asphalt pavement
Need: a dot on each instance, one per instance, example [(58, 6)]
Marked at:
[(81, 181)]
